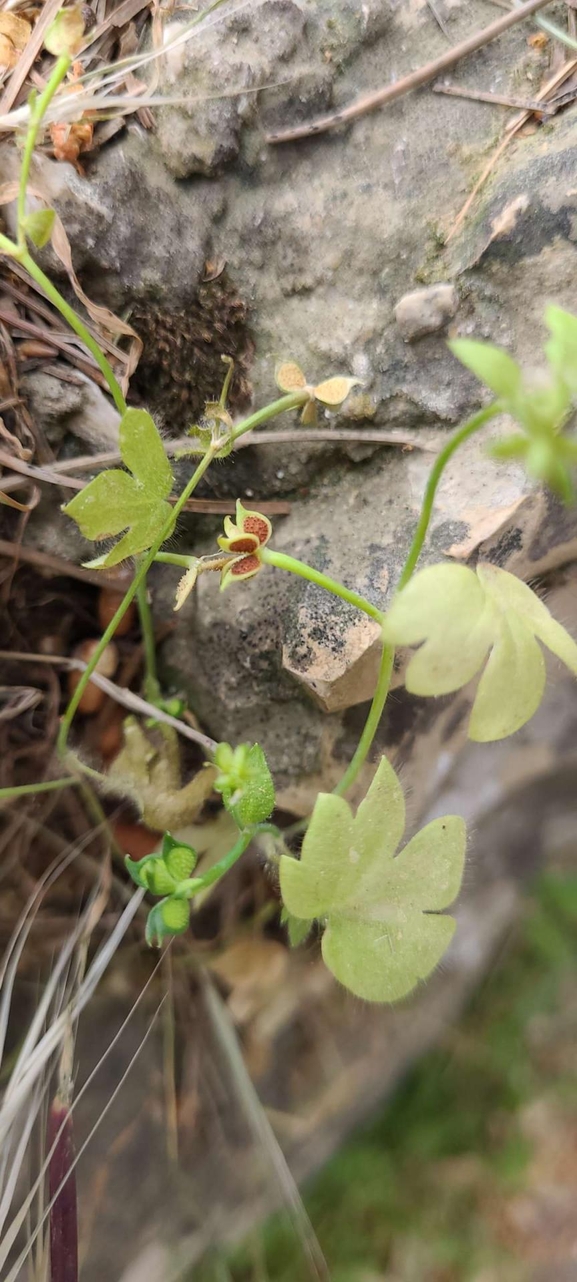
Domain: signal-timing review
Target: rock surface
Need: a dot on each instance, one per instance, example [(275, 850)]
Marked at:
[(424, 311), (305, 250), (77, 408)]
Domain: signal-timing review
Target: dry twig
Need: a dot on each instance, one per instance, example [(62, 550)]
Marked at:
[(415, 79)]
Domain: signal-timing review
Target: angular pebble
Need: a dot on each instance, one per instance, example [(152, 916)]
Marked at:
[(426, 310)]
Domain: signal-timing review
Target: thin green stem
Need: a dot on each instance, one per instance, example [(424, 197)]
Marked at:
[(9, 247), (468, 429), (28, 789), (292, 401), (151, 686), (277, 407), (372, 722), (174, 558), (227, 381), (77, 325), (290, 563), (193, 885), (387, 658), (140, 577), (38, 110)]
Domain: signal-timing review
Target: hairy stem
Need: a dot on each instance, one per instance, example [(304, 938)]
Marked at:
[(290, 563), (292, 401), (38, 109), (372, 721), (151, 686), (28, 789), (387, 657), (195, 884), (468, 429), (174, 558)]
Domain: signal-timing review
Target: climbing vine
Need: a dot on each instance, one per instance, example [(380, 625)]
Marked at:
[(382, 914)]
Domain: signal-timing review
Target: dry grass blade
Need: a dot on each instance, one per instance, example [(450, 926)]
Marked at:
[(500, 100), (126, 698), (39, 1048), (14, 1273), (57, 565), (37, 1184), (97, 82), (440, 21), (62, 1175), (45, 1039), (261, 1128), (33, 48)]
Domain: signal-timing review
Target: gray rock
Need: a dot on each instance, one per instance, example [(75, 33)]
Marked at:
[(77, 408), (317, 243), (424, 311)]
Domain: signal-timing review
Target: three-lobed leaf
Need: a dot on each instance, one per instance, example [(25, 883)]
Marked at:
[(468, 621), (383, 932), (115, 501)]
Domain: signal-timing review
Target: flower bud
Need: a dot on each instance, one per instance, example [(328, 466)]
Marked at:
[(66, 34)]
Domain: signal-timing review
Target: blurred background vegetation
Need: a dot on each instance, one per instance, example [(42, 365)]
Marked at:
[(470, 1172)]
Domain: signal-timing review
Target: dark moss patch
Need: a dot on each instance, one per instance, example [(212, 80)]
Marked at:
[(181, 367)]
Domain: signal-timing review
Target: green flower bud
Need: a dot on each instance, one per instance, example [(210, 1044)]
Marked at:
[(66, 33), (246, 785)]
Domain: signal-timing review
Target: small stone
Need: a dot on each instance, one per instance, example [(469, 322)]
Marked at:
[(426, 310)]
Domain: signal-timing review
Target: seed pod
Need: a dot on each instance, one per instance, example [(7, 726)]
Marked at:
[(175, 915), (180, 862), (93, 696)]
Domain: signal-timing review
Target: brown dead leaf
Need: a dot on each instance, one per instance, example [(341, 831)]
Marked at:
[(253, 969), (8, 54), (68, 140), (16, 29), (102, 317), (213, 268)]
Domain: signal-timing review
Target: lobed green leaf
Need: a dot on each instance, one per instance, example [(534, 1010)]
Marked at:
[(116, 501)]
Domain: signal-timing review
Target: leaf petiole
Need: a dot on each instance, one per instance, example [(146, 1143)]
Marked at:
[(187, 889), (284, 562)]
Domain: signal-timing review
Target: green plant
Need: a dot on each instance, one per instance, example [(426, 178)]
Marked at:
[(382, 915)]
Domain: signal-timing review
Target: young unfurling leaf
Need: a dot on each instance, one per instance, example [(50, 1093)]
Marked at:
[(384, 926), (136, 502), (245, 782), (38, 226)]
